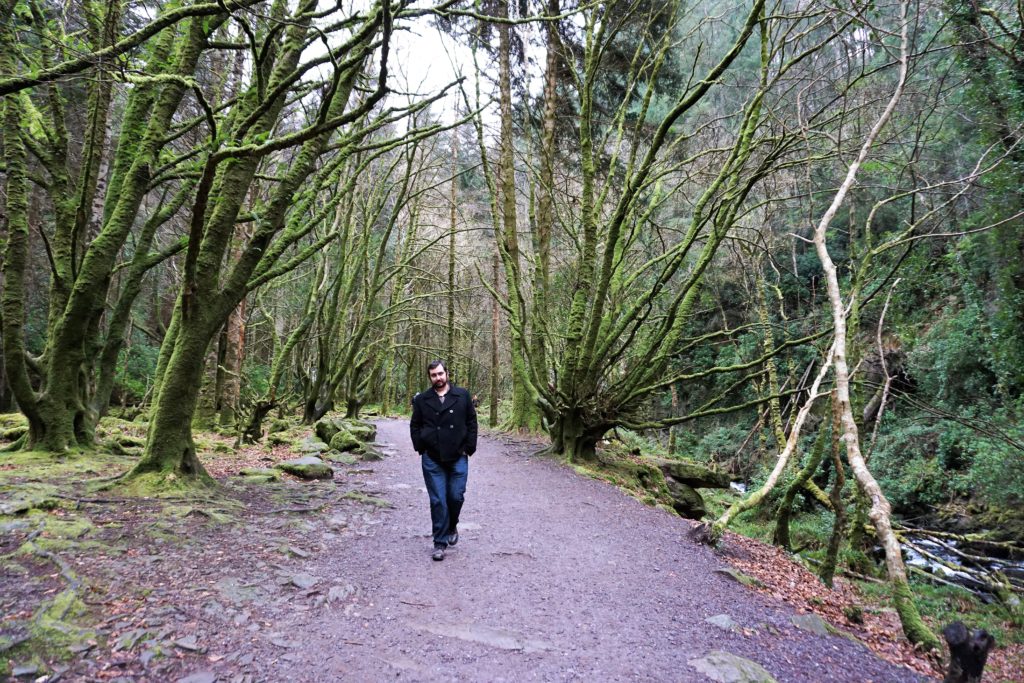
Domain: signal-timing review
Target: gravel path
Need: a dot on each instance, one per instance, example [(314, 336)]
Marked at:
[(556, 577)]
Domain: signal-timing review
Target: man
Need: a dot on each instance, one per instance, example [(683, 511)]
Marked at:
[(443, 430)]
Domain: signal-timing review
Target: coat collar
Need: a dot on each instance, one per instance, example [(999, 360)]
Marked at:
[(449, 398)]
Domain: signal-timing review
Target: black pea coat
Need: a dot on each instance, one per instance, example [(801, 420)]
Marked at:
[(447, 431)]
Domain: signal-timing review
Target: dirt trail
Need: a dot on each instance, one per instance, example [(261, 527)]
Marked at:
[(556, 578)]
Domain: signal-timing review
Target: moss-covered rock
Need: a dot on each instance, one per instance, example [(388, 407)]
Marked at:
[(362, 430), (259, 475), (368, 453), (342, 458), (311, 446), (344, 440), (307, 467), (328, 427), (8, 420), (277, 426), (686, 501)]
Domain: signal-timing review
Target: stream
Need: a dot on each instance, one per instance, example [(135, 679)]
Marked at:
[(1012, 569)]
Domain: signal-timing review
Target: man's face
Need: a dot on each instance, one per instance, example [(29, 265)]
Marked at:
[(438, 377)]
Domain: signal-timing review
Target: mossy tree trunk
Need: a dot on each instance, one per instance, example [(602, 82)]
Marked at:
[(610, 350), (84, 247), (782, 516), (213, 288), (524, 415), (880, 511)]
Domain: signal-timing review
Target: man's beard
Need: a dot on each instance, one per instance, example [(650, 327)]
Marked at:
[(440, 384)]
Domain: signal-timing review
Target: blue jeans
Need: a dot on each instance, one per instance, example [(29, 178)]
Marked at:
[(446, 487)]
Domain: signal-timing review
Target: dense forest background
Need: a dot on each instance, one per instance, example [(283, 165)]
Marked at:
[(782, 238)]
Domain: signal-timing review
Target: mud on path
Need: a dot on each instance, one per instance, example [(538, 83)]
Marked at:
[(556, 577)]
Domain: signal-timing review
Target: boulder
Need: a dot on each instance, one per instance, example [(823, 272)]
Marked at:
[(685, 500), (307, 467), (278, 426), (343, 440), (326, 428), (362, 430)]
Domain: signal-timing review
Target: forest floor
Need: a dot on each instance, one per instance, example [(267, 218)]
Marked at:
[(556, 577)]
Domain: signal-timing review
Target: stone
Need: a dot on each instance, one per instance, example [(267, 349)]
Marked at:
[(339, 593), (812, 623), (190, 643), (362, 430), (258, 471), (485, 635), (343, 440), (723, 621), (199, 677), (311, 446), (304, 581), (307, 467), (724, 667), (368, 453), (341, 458), (685, 500)]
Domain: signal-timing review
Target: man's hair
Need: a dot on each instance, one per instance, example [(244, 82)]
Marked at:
[(435, 363)]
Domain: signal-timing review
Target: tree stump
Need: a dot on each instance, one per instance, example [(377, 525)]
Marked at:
[(968, 653)]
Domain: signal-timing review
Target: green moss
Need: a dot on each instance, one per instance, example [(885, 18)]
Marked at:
[(163, 485), (215, 515), (9, 420), (369, 500), (55, 628), (914, 627)]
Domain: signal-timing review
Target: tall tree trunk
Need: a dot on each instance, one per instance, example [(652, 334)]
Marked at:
[(449, 352), (170, 435), (545, 223), (524, 413), (880, 511), (495, 333), (208, 295), (234, 354)]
